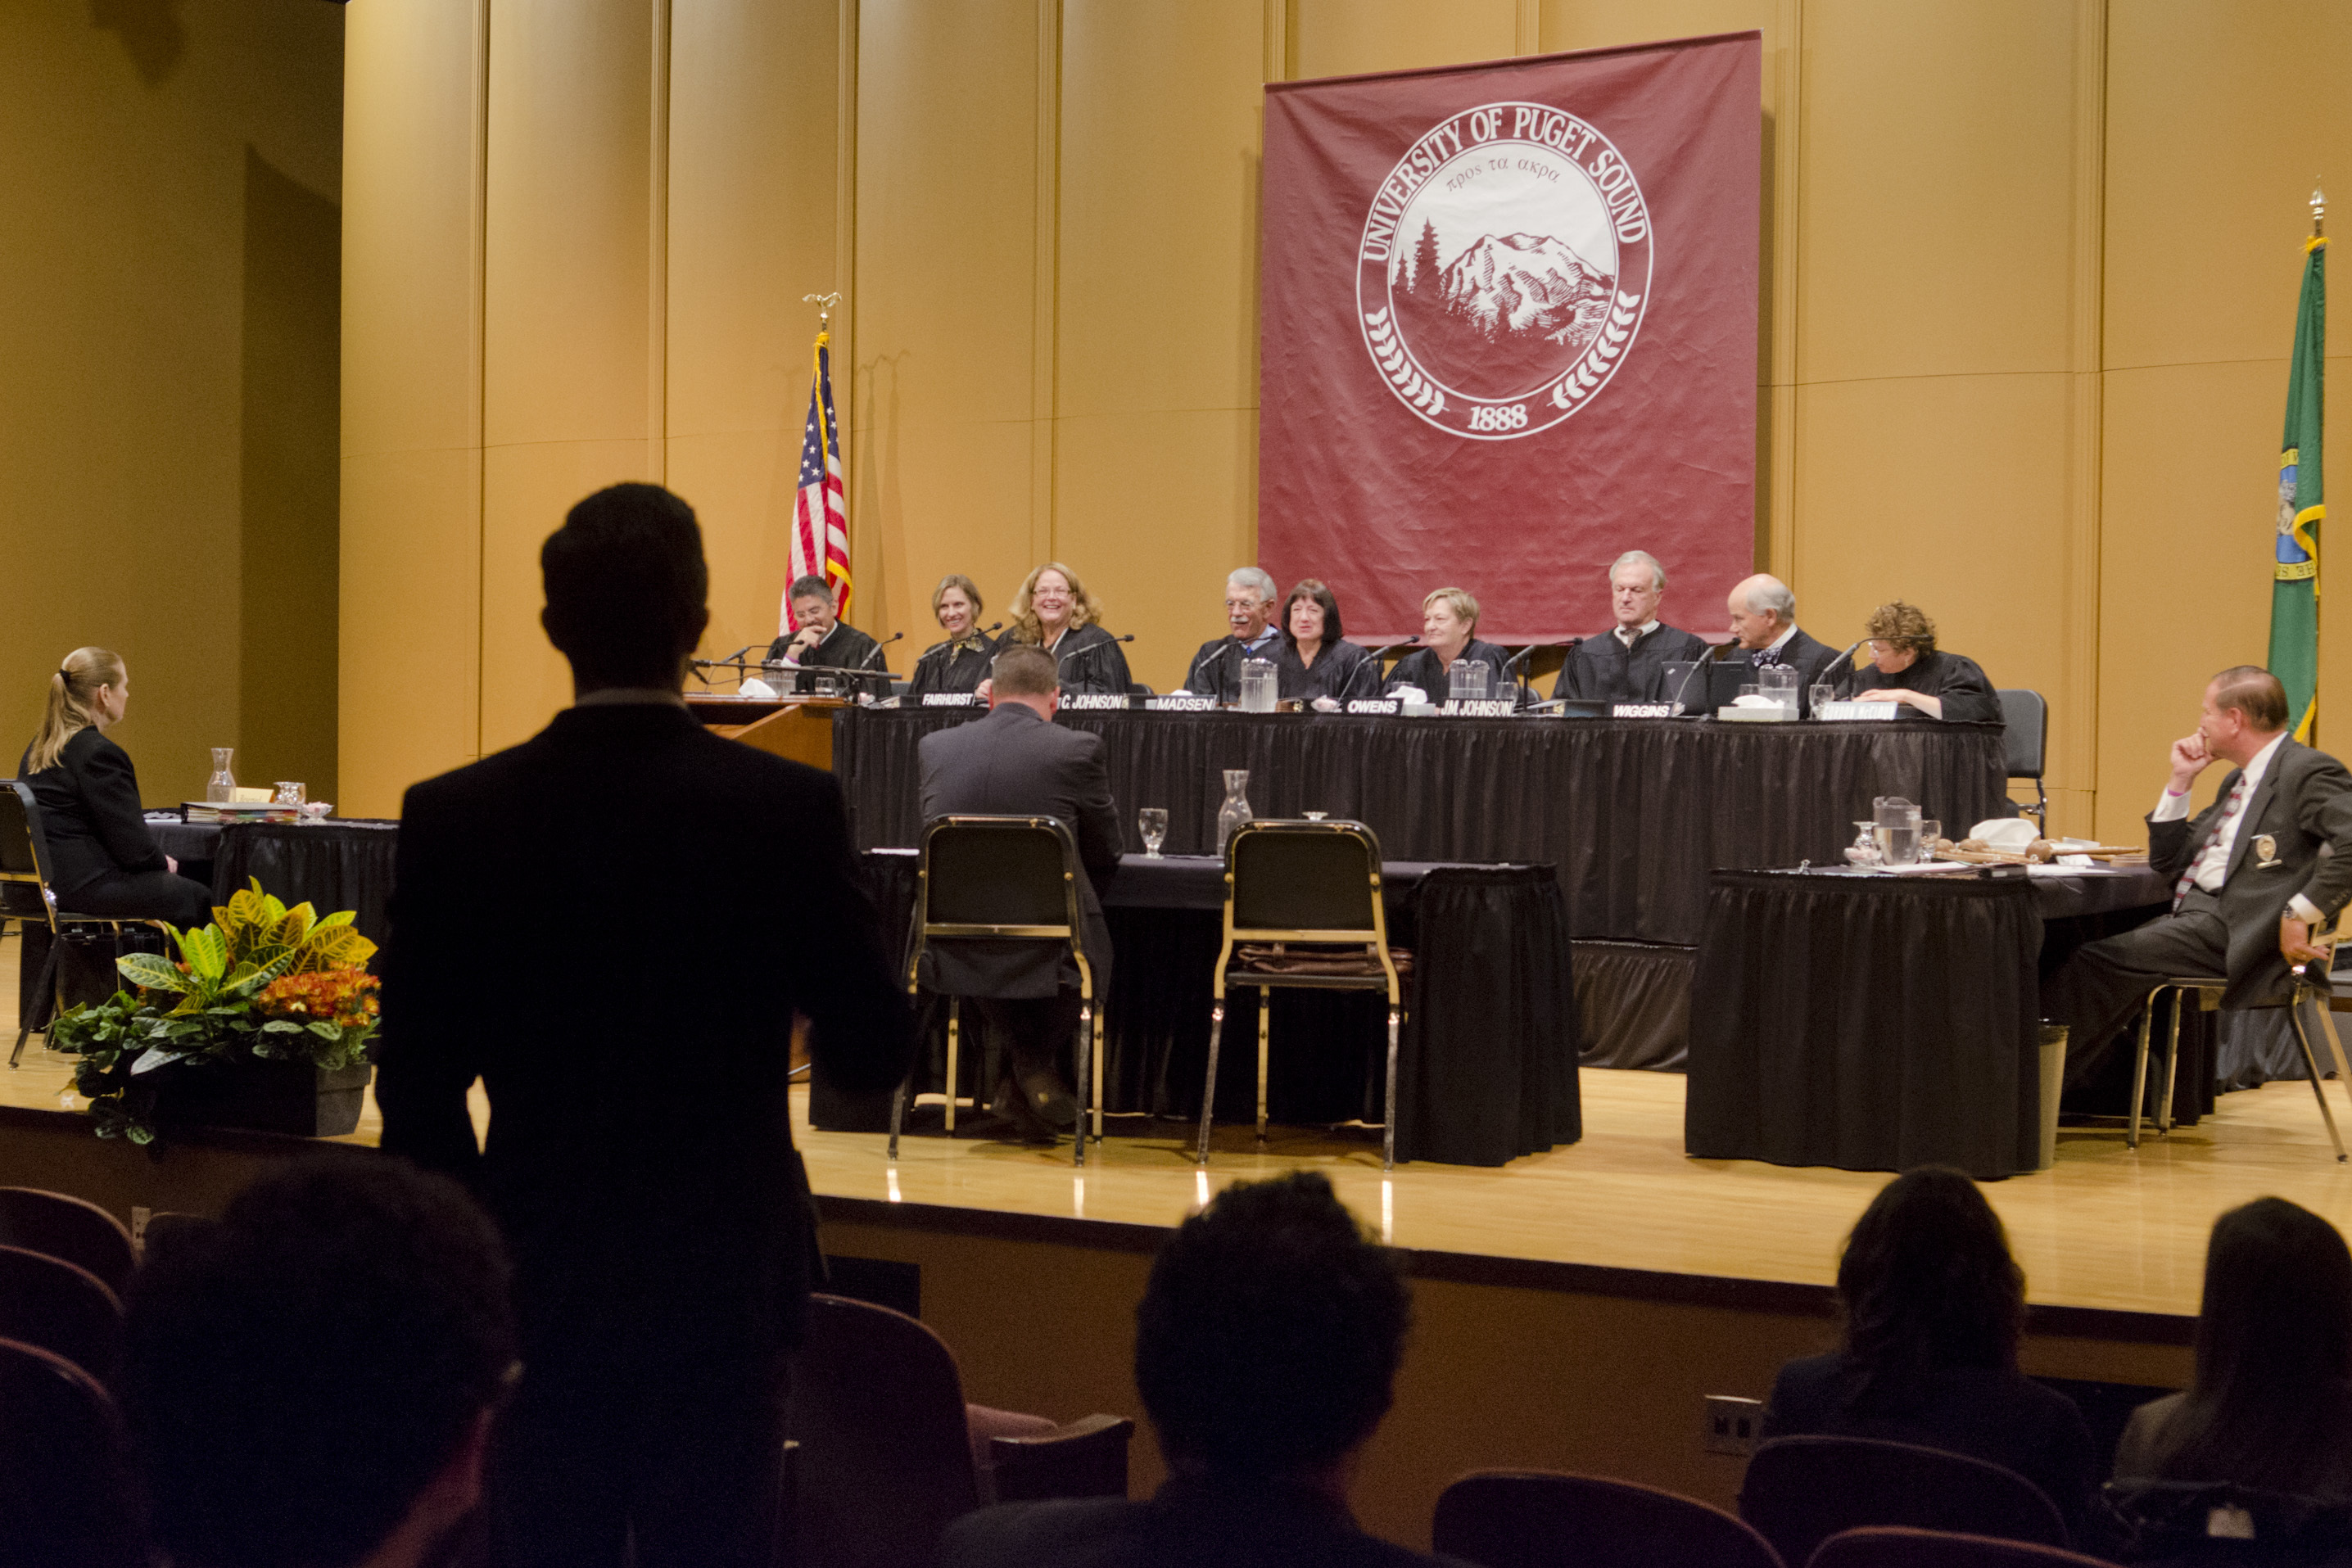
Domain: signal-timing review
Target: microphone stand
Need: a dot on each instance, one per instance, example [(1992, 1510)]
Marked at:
[(1521, 683), (1714, 656)]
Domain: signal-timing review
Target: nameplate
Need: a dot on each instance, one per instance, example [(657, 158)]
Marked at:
[(951, 699), (1388, 705), (1641, 710), (1098, 702), (1834, 713), (1482, 707), (1180, 705)]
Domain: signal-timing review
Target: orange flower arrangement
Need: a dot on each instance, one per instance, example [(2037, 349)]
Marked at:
[(344, 998)]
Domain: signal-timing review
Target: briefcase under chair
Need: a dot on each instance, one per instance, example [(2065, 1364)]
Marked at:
[(1003, 878), (26, 900), (1311, 885)]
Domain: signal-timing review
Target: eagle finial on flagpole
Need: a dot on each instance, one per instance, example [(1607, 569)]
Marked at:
[(826, 305), (2319, 211)]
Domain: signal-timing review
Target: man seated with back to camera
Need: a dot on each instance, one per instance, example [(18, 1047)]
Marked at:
[(823, 641), (1216, 669), (1266, 1349), (1627, 663), (1018, 762)]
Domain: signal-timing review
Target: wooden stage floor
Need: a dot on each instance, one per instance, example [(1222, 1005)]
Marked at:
[(2105, 1229)]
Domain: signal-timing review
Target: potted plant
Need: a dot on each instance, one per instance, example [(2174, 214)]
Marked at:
[(263, 1022)]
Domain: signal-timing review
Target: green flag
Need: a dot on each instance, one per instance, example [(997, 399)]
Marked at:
[(2294, 590)]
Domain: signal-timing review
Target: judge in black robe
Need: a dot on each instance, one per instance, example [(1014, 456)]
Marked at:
[(1052, 610), (821, 641), (1216, 670), (1317, 660), (1764, 625), (1908, 667), (1627, 663), (1091, 663), (960, 662), (1449, 621)]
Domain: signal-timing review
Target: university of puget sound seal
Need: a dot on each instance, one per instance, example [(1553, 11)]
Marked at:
[(1504, 270)]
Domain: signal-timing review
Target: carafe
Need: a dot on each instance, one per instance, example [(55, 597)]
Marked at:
[(221, 788), (1258, 685), (1236, 809)]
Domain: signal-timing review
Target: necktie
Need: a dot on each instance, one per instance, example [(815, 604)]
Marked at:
[(1766, 658), (2230, 808)]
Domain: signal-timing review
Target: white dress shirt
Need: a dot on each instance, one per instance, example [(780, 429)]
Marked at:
[(2211, 867), (1629, 636), (1777, 644)]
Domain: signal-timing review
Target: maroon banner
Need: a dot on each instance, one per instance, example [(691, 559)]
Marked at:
[(1507, 332)]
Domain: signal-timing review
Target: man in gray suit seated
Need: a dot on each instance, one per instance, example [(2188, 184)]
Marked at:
[(1018, 762), (2253, 875)]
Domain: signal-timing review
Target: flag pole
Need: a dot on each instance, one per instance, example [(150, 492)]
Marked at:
[(2319, 238)]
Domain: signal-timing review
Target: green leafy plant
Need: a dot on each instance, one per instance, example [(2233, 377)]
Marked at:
[(262, 982)]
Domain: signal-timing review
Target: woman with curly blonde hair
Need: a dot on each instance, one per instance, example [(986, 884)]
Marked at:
[(1054, 610), (1907, 667)]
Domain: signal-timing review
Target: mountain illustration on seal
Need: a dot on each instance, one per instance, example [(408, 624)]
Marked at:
[(1506, 314)]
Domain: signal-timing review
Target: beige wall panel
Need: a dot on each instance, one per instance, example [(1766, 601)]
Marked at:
[(1342, 38), (1150, 514), (1611, 24), (2221, 116), (411, 227), (729, 477), (941, 469), (526, 490), (1946, 491), (567, 278), (411, 623), (412, 513), (1939, 188)]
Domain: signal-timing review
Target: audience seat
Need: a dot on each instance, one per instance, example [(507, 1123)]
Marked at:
[(62, 1308), (884, 1461), (1800, 1491), (1896, 1547), (1538, 1519), (66, 1499), (70, 1227)]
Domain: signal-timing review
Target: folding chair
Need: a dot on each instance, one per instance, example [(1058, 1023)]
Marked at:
[(1800, 1491), (1537, 1519), (71, 1229), (67, 1497), (2025, 729), (1892, 1546), (1003, 878), (26, 897), (1312, 883), (2311, 985)]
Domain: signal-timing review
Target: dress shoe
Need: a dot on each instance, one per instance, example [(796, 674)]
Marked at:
[(1020, 1125), (1044, 1095)]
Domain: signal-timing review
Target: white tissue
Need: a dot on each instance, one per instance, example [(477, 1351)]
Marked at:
[(757, 690)]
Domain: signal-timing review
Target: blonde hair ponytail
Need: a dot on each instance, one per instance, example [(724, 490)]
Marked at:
[(73, 689)]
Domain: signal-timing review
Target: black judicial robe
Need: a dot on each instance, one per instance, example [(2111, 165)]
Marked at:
[(952, 666), (1091, 663), (1423, 668), (1968, 697), (1603, 668), (844, 648), (1341, 671), (1216, 669)]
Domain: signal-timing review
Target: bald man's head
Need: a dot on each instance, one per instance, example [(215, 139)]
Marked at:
[(1761, 609)]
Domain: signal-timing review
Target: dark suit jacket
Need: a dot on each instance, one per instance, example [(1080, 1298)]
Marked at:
[(1014, 763), (2002, 1418), (2303, 805), (1190, 1523), (1216, 669), (91, 821), (612, 926), (1808, 656), (1601, 668)]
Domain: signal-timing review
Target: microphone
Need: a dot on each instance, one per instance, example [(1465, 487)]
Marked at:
[(867, 662), (1213, 650), (1841, 659), (1515, 659), (1712, 656), (1379, 653)]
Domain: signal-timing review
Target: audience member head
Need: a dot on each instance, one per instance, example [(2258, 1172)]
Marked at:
[(90, 687), (955, 605), (309, 1383), (1900, 635), (1268, 1339), (1762, 607), (812, 602), (1025, 674), (1449, 618), (1050, 600), (2270, 1404), (1636, 583), (625, 587), (2244, 709), (1311, 614), (1927, 1283), (1249, 600)]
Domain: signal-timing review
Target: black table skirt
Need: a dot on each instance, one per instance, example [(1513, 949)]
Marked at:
[(330, 865), (1634, 814), (1487, 1062)]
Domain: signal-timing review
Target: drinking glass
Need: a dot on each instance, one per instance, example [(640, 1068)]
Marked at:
[(1820, 695), (1930, 830), (1752, 689), (290, 792), (1153, 821)]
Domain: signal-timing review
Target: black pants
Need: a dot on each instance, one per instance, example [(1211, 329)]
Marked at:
[(90, 974), (1034, 1030), (2103, 987)]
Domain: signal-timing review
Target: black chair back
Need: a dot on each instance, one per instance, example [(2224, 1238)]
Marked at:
[(71, 1229), (1892, 1547), (2025, 719), (61, 1307), (21, 875), (66, 1499), (997, 871), (1300, 876), (1536, 1519), (1800, 1491)]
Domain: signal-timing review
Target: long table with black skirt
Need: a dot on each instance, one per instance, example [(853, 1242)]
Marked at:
[(1486, 1063), (1876, 1023), (1634, 814), (340, 863)]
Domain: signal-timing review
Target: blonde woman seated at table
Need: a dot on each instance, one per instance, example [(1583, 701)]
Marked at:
[(1907, 667), (1449, 623), (959, 663), (1053, 611), (101, 860)]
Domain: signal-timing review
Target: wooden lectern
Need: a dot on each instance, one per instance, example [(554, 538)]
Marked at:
[(797, 728)]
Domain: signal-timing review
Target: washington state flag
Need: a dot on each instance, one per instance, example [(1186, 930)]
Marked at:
[(2294, 589)]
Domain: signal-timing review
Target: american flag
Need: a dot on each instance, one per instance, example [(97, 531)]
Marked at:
[(820, 517)]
